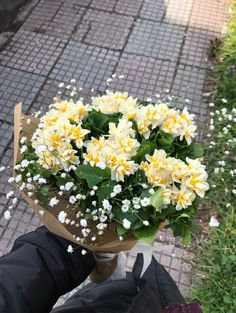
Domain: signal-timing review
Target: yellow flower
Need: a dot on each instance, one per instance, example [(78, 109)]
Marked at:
[(50, 118), (77, 134), (159, 170), (143, 129), (122, 129), (125, 145), (182, 198), (172, 123), (62, 106), (55, 140), (95, 152), (197, 182), (180, 170), (166, 195), (49, 161), (120, 167)]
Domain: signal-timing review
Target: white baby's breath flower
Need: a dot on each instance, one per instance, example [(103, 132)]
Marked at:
[(2, 168), (94, 202), (69, 185), (23, 140), (11, 180), (61, 85), (214, 222), (72, 199), (106, 204), (126, 223), (83, 252), (54, 201), (62, 216), (145, 202), (151, 191), (7, 215), (146, 223), (14, 200), (63, 175), (42, 181), (103, 218), (83, 222), (117, 189), (70, 249), (9, 194), (92, 193), (23, 149), (18, 178), (24, 163)]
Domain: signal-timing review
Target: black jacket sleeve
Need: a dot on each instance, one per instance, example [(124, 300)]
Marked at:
[(38, 270)]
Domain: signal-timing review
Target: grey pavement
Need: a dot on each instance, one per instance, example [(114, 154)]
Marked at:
[(160, 46)]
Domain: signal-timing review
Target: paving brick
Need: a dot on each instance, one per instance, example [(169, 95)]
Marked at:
[(165, 260), (189, 84), (196, 46), (209, 15), (158, 40), (106, 5), (42, 14), (104, 29), (16, 86), (76, 3), (7, 161), (153, 10), (31, 52), (6, 133), (50, 90), (144, 76), (175, 275), (89, 65), (178, 11), (129, 7), (54, 18)]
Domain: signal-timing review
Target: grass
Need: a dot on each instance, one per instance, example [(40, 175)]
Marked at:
[(216, 262)]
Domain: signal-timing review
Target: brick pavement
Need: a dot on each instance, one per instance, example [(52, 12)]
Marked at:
[(158, 45)]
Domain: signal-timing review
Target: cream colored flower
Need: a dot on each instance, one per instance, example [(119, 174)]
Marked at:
[(182, 198), (120, 167)]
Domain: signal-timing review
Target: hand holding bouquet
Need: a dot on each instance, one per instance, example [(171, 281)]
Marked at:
[(113, 171)]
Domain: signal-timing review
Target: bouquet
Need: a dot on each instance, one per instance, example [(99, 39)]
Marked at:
[(112, 172)]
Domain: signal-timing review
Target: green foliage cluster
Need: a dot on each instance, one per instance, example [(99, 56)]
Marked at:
[(215, 285)]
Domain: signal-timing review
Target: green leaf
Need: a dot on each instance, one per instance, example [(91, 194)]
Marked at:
[(93, 175), (166, 139), (97, 119), (72, 122), (156, 200), (147, 234), (146, 147), (105, 189), (183, 230), (42, 195), (121, 231), (183, 215), (197, 150)]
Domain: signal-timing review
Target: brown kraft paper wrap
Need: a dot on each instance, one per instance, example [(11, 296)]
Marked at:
[(108, 242)]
